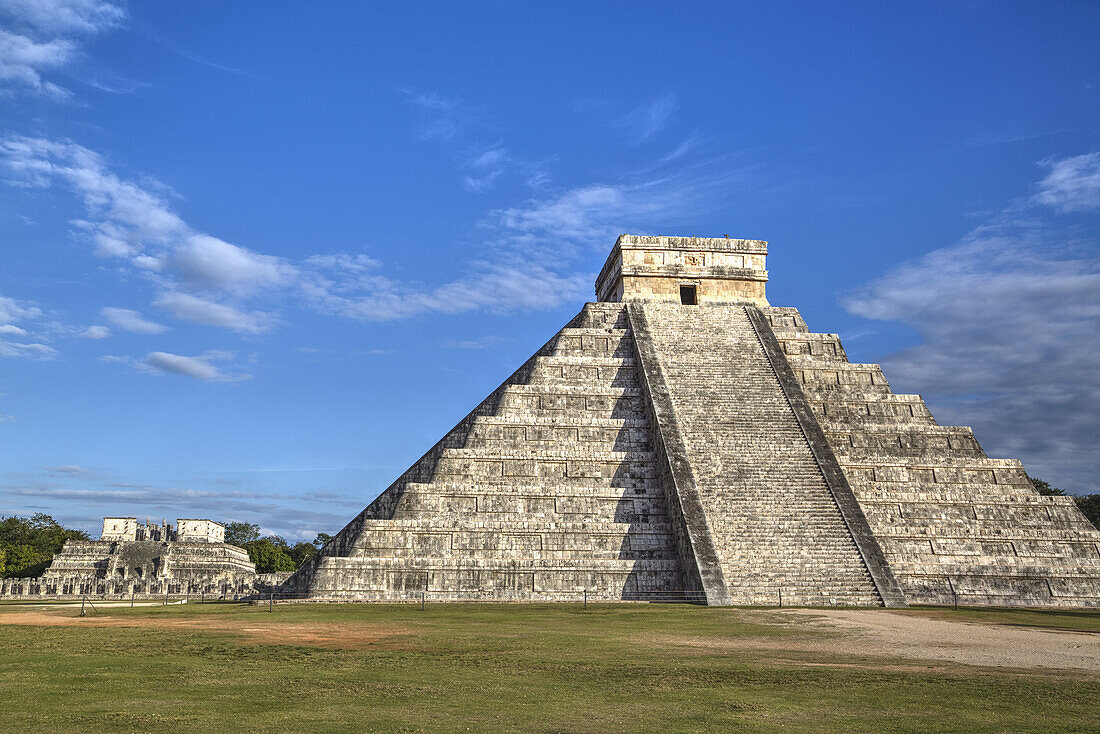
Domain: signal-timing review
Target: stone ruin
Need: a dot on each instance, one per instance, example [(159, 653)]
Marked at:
[(144, 559), (681, 438)]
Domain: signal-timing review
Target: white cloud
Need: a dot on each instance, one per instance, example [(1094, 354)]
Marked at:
[(125, 218), (42, 37), (4, 418), (496, 287), (1009, 320), (210, 313), (484, 342), (13, 310), (130, 320), (135, 224), (1073, 184), (209, 263), (198, 367), (195, 367), (32, 350), (65, 16), (95, 332), (71, 470), (646, 120)]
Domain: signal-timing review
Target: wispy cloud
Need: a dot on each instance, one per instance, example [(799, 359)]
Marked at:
[(199, 367), (128, 320), (444, 118), (43, 36), (1008, 316), (71, 498), (186, 53), (645, 121), (134, 225), (71, 470), (12, 310), (484, 342), (203, 311), (1073, 184), (95, 332), (481, 165)]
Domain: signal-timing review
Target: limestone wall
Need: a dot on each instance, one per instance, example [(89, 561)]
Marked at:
[(642, 268)]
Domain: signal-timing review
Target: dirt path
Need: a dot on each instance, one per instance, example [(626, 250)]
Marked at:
[(343, 635), (881, 633)]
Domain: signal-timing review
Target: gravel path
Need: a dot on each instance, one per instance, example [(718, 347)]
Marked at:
[(876, 632)]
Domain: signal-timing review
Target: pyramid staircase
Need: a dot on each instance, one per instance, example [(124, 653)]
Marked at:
[(779, 533)]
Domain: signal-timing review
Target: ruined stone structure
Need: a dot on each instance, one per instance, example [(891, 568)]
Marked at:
[(133, 558), (683, 439)]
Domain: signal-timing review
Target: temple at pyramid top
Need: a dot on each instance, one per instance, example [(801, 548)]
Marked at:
[(684, 270)]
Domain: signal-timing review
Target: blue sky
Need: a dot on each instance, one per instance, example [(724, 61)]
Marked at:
[(256, 258)]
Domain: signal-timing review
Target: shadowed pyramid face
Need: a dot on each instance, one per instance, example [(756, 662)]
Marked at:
[(685, 270)]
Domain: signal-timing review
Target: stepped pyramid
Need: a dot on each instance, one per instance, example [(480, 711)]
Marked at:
[(681, 439)]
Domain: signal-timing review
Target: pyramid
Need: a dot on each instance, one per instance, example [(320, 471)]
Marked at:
[(683, 440)]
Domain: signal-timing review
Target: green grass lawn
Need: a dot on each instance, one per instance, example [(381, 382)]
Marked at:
[(538, 668)]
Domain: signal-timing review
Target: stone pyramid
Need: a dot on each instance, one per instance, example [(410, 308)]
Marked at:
[(681, 439)]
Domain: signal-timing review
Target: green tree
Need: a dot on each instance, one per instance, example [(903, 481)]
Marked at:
[(28, 544), (1045, 489), (240, 533), (270, 554), (300, 552), (1090, 505), (321, 539)]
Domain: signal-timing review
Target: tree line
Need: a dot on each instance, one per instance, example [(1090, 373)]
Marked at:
[(28, 543), (271, 553)]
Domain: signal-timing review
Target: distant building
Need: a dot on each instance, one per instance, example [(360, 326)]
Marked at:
[(138, 558)]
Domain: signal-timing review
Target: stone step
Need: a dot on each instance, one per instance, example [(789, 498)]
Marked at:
[(987, 530), (886, 454), (517, 565), (533, 507), (977, 490), (908, 424), (585, 526), (844, 394), (975, 494), (591, 342), (601, 316)]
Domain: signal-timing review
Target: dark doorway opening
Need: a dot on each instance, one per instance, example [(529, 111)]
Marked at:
[(687, 295)]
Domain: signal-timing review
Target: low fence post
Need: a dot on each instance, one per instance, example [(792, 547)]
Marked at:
[(586, 599), (82, 605), (132, 592), (270, 601), (780, 598)]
